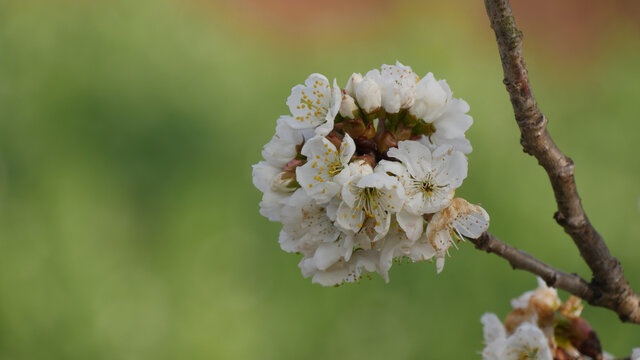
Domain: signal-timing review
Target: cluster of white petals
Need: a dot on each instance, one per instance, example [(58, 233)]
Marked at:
[(364, 175), (525, 334), (527, 342), (542, 327)]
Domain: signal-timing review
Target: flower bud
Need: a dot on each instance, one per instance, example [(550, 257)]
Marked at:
[(353, 83), (369, 131), (431, 97), (369, 96), (335, 139), (364, 145), (572, 307), (354, 128), (362, 165), (584, 338), (292, 165), (403, 132), (285, 182), (517, 317), (387, 141), (563, 354), (391, 98), (545, 302), (348, 107)]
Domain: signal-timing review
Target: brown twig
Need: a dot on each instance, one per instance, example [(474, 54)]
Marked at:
[(522, 260), (608, 287)]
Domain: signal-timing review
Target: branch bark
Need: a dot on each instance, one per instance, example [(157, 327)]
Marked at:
[(608, 287), (522, 260)]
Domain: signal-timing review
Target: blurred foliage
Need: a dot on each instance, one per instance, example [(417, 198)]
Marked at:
[(129, 227)]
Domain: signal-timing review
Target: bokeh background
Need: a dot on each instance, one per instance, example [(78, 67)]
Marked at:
[(129, 226)]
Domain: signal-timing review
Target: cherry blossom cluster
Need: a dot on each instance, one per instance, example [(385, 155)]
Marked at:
[(367, 174), (541, 327)]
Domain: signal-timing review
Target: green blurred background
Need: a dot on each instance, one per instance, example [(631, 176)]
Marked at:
[(129, 226)]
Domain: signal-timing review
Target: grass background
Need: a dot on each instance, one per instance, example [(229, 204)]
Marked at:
[(129, 227)]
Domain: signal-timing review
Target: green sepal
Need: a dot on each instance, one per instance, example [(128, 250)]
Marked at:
[(423, 128), (392, 121), (293, 185)]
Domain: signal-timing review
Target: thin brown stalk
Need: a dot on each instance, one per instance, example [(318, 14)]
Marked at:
[(608, 288)]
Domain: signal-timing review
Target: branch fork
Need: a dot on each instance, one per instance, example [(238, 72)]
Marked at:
[(608, 288)]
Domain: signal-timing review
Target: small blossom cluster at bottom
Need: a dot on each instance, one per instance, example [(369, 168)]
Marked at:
[(541, 327), (363, 175)]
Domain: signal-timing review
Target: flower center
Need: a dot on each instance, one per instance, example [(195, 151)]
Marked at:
[(318, 110), (369, 201), (528, 353), (334, 169), (428, 187), (374, 203)]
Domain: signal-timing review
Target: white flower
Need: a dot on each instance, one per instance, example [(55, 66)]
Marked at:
[(342, 270), (368, 95), (265, 178), (635, 355), (461, 219), (397, 84), (315, 104), (353, 83), (271, 176), (446, 116), (283, 146), (344, 208), (326, 169), (374, 197), (526, 343), (429, 180), (305, 225), (450, 127)]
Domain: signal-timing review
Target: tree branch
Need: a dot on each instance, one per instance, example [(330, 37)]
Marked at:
[(522, 260), (608, 286)]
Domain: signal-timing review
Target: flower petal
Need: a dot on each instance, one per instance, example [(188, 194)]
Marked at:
[(382, 226), (472, 222), (412, 224), (439, 263), (347, 149), (422, 251), (493, 328), (451, 167), (349, 218), (326, 255), (263, 175), (415, 156)]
